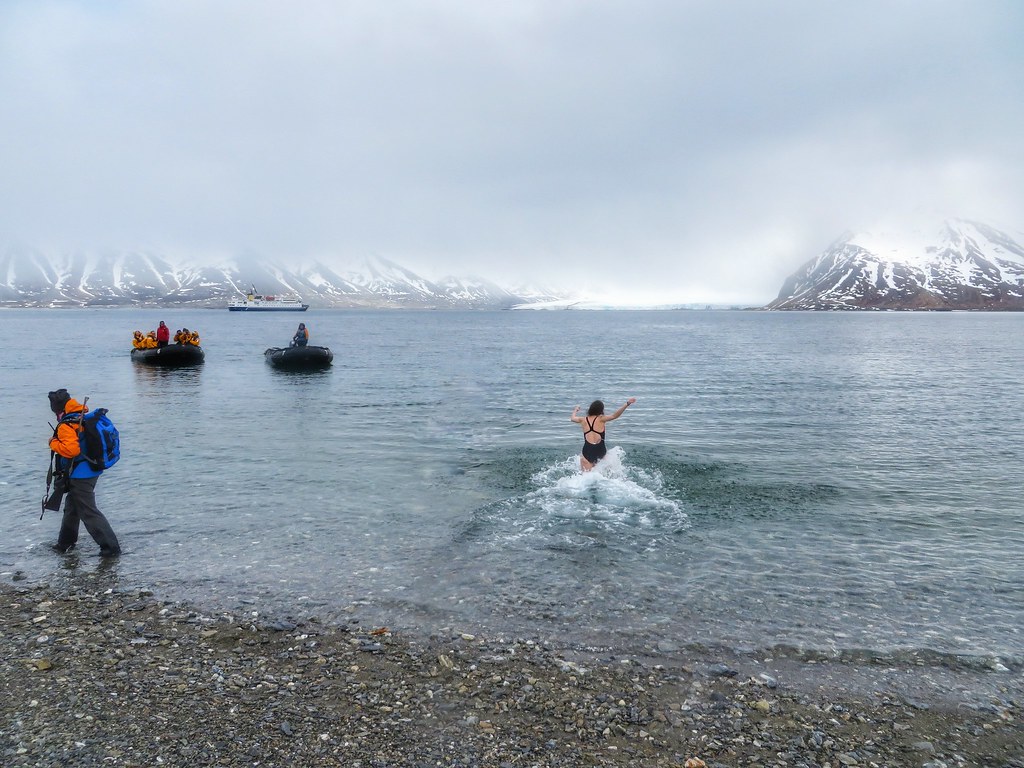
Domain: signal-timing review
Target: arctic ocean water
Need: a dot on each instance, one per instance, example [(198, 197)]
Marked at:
[(825, 481)]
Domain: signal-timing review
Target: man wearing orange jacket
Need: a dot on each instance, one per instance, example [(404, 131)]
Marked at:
[(79, 480)]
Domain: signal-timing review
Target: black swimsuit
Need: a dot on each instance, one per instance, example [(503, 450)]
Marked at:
[(593, 452)]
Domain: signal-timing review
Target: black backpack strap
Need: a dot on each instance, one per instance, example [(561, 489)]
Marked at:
[(71, 419)]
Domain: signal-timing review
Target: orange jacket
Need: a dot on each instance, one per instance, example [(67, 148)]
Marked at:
[(65, 441)]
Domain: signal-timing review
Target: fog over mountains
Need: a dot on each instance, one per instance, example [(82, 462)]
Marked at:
[(35, 278), (957, 264)]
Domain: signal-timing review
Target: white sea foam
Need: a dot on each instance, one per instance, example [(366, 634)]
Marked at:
[(614, 496)]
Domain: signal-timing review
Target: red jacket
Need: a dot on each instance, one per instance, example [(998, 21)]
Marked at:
[(163, 333)]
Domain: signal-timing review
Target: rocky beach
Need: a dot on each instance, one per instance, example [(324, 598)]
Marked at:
[(94, 676)]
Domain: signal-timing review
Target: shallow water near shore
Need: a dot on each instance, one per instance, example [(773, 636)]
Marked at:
[(837, 483)]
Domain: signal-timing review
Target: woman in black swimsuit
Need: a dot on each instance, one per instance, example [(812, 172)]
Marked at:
[(593, 423)]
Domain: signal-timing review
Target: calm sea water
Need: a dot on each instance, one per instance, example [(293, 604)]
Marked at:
[(829, 481)]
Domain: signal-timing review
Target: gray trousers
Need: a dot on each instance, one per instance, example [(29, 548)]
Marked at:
[(80, 506)]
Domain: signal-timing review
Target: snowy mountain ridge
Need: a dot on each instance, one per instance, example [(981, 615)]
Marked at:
[(955, 264), (35, 278)]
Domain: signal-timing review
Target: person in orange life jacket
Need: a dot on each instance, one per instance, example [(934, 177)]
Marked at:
[(301, 337), (79, 479), (593, 425), (163, 335)]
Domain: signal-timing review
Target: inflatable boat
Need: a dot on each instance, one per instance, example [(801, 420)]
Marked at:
[(307, 358), (171, 356)]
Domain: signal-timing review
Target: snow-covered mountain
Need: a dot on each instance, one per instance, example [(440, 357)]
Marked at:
[(958, 264), (30, 277)]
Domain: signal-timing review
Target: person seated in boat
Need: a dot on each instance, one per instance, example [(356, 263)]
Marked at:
[(193, 337), (301, 337), (182, 336), (178, 338), (138, 340), (150, 341)]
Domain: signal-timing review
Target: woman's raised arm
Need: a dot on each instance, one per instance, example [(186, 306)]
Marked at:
[(621, 410)]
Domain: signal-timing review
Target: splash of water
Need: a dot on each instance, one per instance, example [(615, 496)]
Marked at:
[(614, 503)]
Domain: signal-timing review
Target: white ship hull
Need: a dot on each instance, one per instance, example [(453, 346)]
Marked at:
[(254, 302)]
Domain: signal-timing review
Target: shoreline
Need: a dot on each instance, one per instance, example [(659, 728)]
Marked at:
[(90, 675)]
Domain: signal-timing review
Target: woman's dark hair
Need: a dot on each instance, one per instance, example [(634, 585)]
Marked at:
[(596, 408)]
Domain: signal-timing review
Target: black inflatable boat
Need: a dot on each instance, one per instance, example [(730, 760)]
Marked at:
[(307, 358), (171, 356)]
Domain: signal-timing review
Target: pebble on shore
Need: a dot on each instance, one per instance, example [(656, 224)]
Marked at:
[(100, 678)]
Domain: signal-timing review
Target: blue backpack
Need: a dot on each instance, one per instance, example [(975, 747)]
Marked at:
[(101, 443)]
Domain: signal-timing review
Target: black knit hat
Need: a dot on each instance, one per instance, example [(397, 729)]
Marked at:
[(58, 399)]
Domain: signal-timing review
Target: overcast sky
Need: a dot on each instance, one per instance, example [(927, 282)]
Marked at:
[(668, 150)]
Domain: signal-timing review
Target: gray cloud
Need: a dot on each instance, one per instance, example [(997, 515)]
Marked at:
[(671, 149)]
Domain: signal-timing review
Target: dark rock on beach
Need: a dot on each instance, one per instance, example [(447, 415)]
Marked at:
[(93, 677)]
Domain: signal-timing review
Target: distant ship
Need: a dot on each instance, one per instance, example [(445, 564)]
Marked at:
[(255, 302)]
